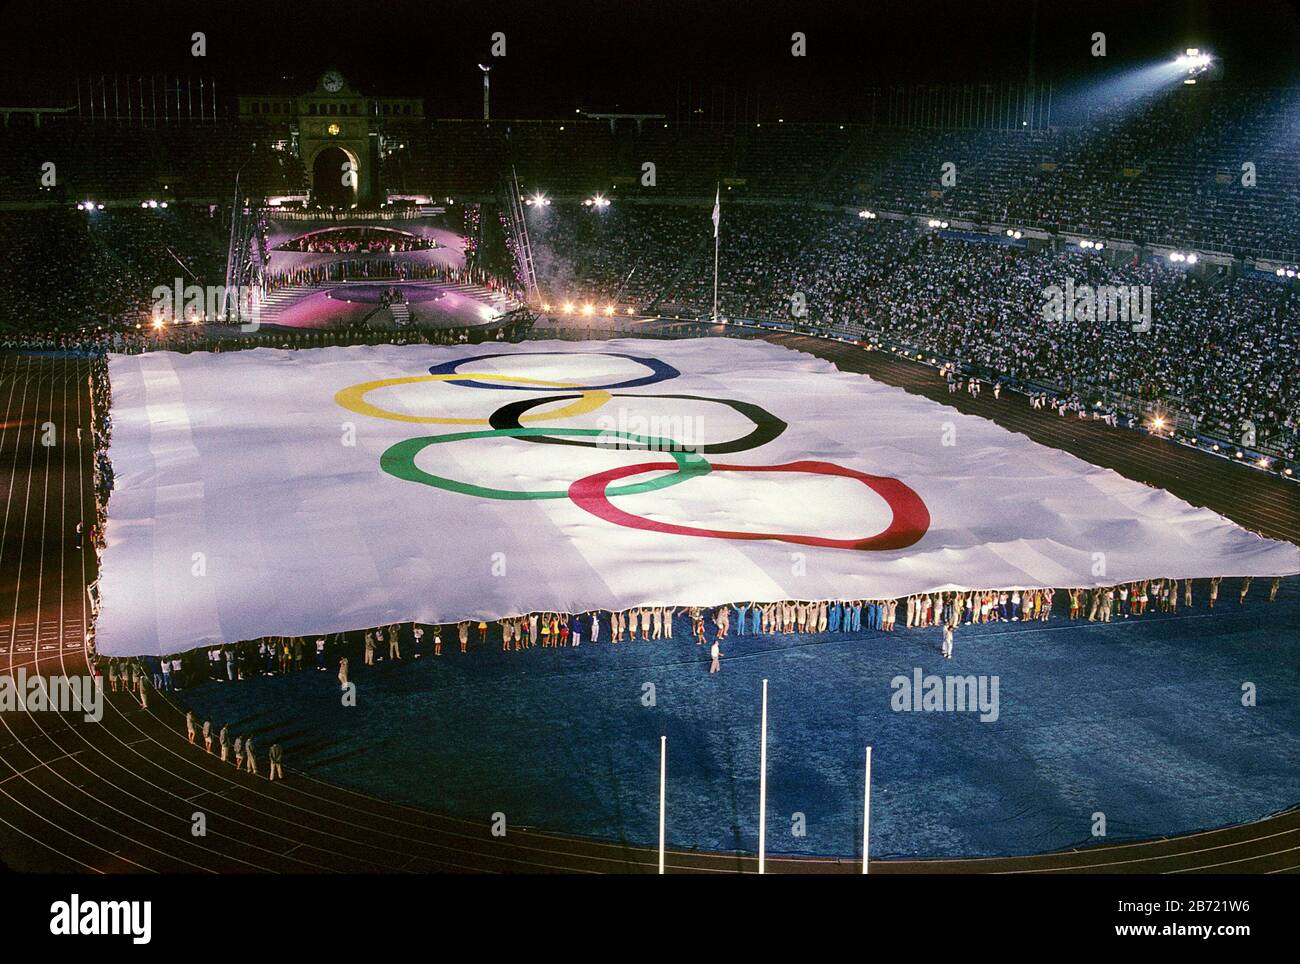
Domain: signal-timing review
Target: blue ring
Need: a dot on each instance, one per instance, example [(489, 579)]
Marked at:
[(660, 371)]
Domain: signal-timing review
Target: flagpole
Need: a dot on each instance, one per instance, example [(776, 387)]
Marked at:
[(762, 789), (866, 814), (717, 218), (715, 278), (663, 782)]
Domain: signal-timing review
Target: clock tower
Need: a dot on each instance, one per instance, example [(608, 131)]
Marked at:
[(337, 132)]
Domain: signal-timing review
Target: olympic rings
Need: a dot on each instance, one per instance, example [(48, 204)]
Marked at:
[(766, 425), (399, 461), (659, 371), (910, 519), (353, 398)]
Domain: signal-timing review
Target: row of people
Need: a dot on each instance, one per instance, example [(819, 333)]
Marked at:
[(555, 629)]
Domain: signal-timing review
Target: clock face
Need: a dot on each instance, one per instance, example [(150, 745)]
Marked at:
[(332, 81), (334, 130)]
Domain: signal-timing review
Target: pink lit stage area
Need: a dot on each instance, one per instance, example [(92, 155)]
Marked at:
[(448, 245), (428, 304), (383, 273)]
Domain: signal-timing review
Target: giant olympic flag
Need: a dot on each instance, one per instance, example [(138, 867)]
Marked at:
[(271, 492)]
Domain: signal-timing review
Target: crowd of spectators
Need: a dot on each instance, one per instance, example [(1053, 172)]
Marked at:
[(1222, 348), (66, 270)]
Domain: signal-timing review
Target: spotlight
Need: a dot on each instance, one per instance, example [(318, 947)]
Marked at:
[(587, 309), (1194, 62), (568, 307)]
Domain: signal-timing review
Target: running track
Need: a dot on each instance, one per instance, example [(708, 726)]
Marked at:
[(119, 796)]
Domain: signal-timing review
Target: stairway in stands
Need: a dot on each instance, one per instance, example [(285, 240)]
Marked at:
[(274, 304)]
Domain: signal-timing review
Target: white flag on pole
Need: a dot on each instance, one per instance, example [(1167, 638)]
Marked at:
[(717, 211)]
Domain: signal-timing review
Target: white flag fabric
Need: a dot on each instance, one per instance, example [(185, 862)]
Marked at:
[(272, 492), (717, 211)]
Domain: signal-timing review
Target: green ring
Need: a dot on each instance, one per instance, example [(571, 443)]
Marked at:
[(399, 461)]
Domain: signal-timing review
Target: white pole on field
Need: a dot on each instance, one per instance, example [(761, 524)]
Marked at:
[(762, 789), (663, 783), (866, 814)]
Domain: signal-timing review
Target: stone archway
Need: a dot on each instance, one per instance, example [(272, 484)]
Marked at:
[(334, 182)]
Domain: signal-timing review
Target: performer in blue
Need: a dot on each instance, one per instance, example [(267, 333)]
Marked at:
[(742, 610), (833, 617), (873, 614), (755, 618), (857, 615)]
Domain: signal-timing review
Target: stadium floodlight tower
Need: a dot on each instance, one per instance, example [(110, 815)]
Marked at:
[(485, 70), (1194, 63)]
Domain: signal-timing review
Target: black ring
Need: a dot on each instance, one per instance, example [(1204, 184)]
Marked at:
[(766, 425)]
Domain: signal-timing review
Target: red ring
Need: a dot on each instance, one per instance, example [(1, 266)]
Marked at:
[(911, 518)]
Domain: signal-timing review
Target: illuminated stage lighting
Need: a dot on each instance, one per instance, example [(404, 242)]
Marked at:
[(1194, 61)]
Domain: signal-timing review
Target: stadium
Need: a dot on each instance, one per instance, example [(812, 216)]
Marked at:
[(493, 466)]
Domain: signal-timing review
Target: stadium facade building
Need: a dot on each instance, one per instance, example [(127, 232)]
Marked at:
[(336, 131)]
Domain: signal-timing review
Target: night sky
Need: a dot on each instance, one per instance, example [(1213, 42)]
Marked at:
[(652, 56)]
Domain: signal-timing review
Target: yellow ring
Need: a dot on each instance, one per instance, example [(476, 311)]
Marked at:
[(353, 398)]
